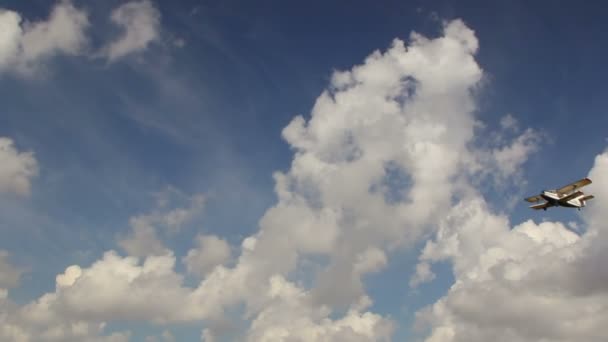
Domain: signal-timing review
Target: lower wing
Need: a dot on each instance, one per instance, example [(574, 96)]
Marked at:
[(533, 199), (540, 206)]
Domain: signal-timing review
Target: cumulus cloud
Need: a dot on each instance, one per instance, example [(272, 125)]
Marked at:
[(385, 149), (140, 22), (499, 155), (113, 288), (38, 321), (24, 45), (210, 251), (140, 287), (509, 159), (143, 239), (599, 188), (9, 274), (174, 209), (16, 168), (542, 282), (422, 275), (121, 288), (406, 112), (293, 318)]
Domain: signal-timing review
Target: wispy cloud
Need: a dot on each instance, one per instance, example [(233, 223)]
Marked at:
[(16, 168), (9, 274), (25, 47), (140, 22)]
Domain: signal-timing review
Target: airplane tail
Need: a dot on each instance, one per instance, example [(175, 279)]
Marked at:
[(586, 198)]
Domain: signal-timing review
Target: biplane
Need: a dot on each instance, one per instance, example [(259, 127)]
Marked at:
[(567, 196)]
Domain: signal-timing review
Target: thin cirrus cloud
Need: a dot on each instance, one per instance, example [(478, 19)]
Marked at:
[(26, 46), (140, 22)]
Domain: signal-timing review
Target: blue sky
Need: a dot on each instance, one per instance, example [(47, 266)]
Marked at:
[(200, 108)]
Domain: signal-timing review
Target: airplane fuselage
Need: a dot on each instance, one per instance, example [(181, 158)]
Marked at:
[(567, 196), (555, 200)]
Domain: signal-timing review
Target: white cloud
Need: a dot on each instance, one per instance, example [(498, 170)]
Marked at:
[(25, 46), (174, 209), (509, 159), (119, 288), (143, 239), (139, 287), (406, 113), (16, 168), (291, 317), (9, 274), (69, 277), (113, 288), (599, 188), (38, 322), (140, 21), (10, 35), (422, 275), (534, 282), (411, 108), (509, 122), (176, 218), (500, 155), (210, 251)]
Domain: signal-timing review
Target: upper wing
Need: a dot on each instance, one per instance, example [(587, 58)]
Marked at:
[(533, 199), (540, 206), (573, 186)]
